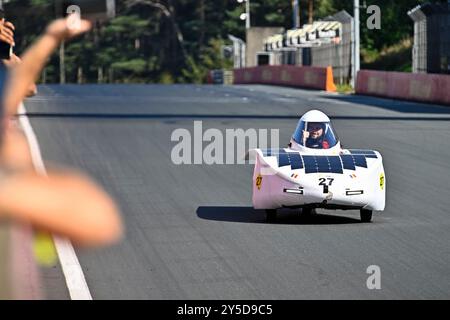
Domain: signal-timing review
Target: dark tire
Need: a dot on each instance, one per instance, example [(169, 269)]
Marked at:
[(366, 215), (271, 215), (308, 212)]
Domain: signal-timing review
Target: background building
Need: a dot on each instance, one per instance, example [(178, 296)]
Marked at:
[(338, 55), (323, 43), (431, 50), (255, 42)]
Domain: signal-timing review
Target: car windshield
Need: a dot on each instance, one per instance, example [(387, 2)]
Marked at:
[(316, 135)]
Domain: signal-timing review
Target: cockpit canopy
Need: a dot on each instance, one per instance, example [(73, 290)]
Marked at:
[(315, 135)]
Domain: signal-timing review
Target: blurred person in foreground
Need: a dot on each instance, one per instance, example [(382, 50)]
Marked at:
[(63, 202), (11, 133), (7, 29)]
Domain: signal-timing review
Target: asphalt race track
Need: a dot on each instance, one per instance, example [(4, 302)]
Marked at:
[(191, 231)]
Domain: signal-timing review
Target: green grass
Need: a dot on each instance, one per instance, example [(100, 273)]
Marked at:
[(394, 58), (344, 88)]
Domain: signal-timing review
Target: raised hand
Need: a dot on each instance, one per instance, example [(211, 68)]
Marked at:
[(305, 136), (68, 28), (7, 32)]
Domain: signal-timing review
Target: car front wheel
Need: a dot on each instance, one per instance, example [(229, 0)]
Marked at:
[(366, 215), (271, 215)]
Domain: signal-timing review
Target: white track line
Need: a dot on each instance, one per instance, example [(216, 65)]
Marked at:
[(75, 280)]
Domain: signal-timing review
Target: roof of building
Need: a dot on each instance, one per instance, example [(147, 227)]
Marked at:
[(428, 9)]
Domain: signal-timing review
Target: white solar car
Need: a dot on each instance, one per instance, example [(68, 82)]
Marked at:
[(315, 172)]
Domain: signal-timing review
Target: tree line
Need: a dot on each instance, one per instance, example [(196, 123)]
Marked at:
[(178, 41)]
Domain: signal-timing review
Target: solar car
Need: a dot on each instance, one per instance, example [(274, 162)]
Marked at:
[(314, 171)]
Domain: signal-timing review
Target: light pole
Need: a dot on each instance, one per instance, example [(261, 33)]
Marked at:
[(246, 16), (356, 42), (296, 14)]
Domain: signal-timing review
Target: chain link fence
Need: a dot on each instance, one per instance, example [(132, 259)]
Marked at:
[(431, 50), (339, 55)]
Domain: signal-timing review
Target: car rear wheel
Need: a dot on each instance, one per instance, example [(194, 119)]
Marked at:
[(271, 215), (366, 215)]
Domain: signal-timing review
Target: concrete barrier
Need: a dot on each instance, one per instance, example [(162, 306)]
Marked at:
[(431, 88), (220, 77), (287, 75)]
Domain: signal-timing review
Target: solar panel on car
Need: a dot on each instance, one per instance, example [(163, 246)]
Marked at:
[(335, 164), (364, 152), (295, 160), (315, 164), (310, 164), (347, 161), (322, 164), (283, 159), (360, 161)]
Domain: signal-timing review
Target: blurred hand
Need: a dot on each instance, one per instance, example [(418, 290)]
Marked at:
[(13, 61), (65, 29), (7, 32), (305, 134)]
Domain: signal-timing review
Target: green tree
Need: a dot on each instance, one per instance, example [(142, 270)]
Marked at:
[(180, 40)]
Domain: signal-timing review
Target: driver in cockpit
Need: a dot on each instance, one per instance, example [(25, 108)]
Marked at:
[(314, 138), (314, 131)]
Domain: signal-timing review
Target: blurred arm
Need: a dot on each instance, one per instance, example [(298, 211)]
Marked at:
[(63, 203), (14, 149), (24, 74), (14, 61)]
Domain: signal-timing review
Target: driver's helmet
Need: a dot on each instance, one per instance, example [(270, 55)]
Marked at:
[(320, 134)]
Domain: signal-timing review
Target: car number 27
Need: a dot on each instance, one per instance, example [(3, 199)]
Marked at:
[(326, 181)]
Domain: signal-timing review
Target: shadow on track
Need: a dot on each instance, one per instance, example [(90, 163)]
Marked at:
[(250, 215), (392, 104)]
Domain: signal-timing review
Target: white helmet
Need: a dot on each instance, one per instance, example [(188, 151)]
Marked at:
[(314, 131), (315, 116)]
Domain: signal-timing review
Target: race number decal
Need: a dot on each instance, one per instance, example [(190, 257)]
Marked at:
[(259, 181), (326, 181), (381, 181)]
